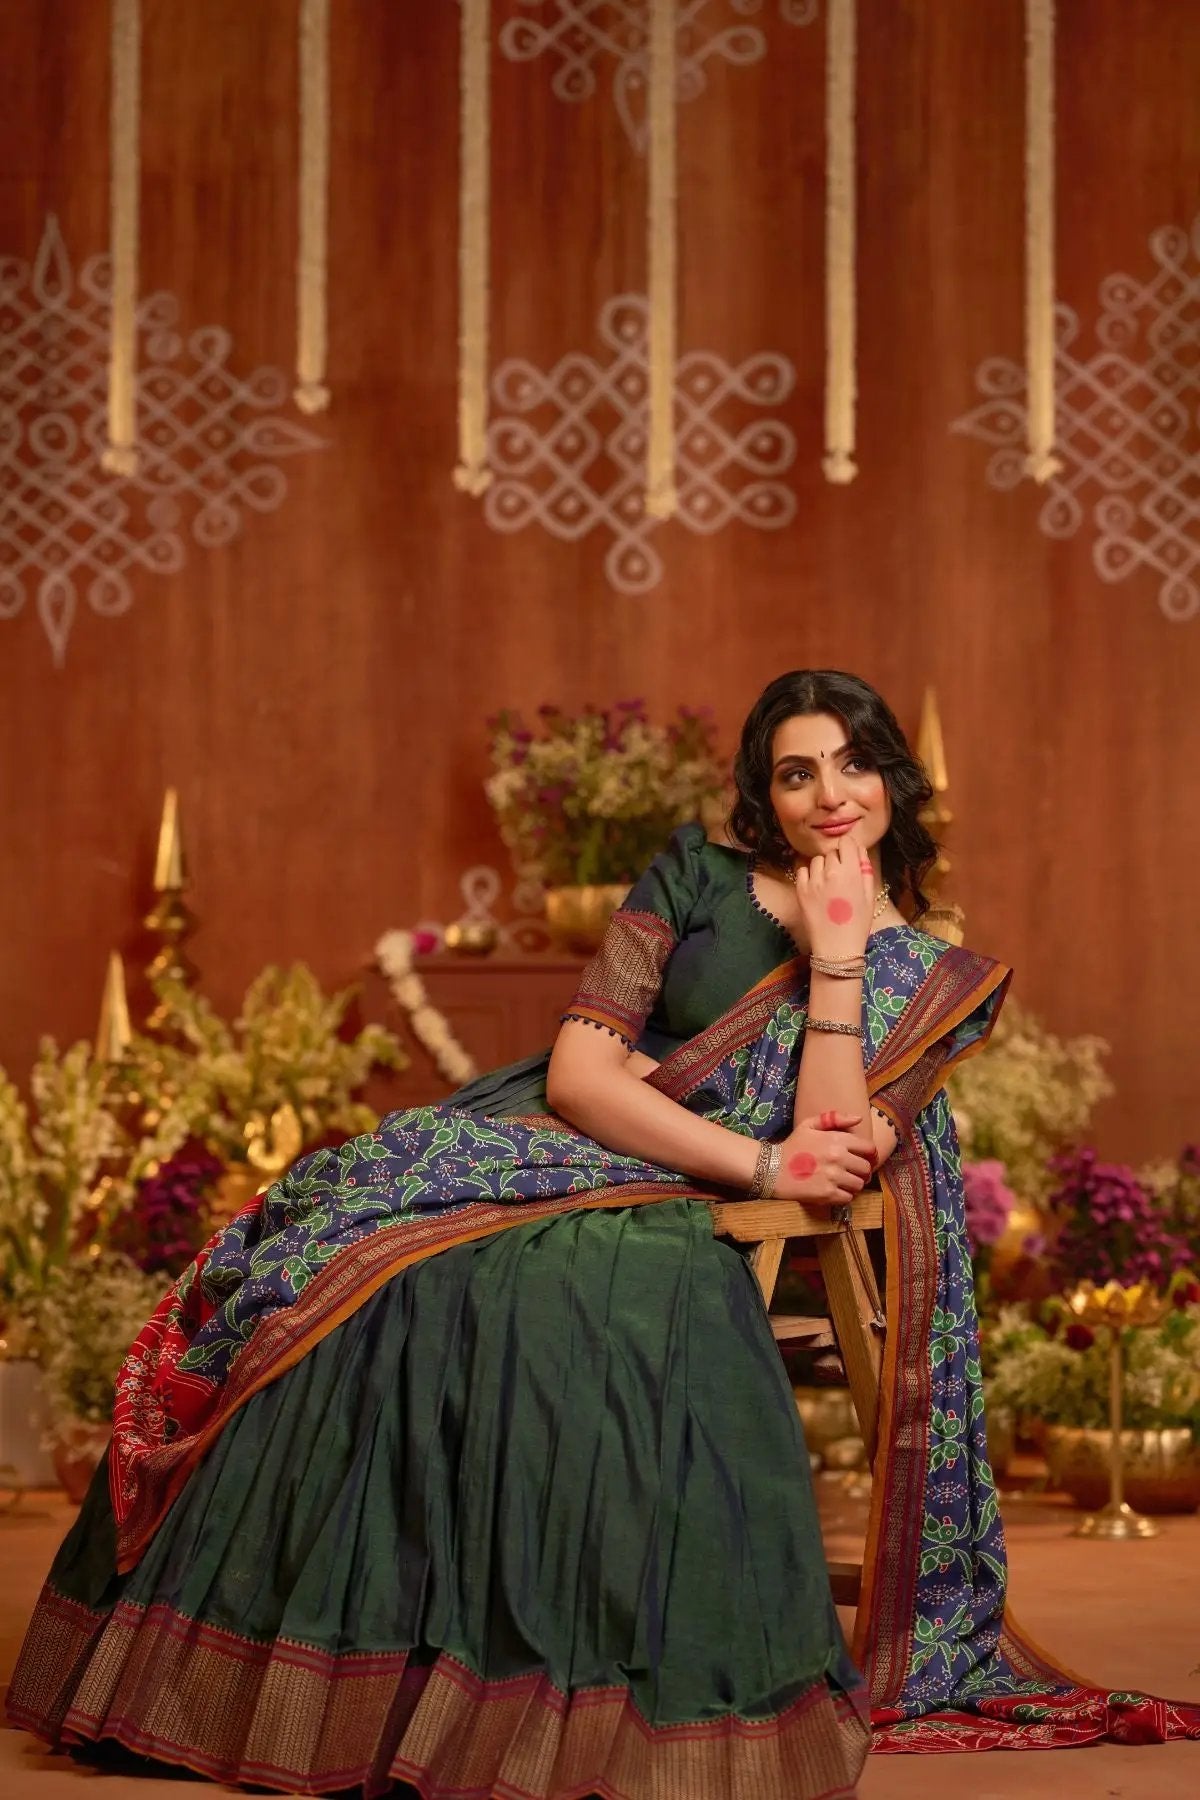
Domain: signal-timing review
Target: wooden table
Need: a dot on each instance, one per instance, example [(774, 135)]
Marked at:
[(500, 1007)]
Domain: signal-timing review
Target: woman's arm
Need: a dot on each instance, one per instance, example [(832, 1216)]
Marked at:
[(831, 1073), (591, 1085), (832, 1076), (596, 1085)]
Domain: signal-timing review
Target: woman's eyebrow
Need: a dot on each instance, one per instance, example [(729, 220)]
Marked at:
[(809, 761)]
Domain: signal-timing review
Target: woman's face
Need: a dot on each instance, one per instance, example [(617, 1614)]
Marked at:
[(822, 788)]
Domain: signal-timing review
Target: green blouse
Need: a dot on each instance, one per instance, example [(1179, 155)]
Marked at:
[(688, 942)]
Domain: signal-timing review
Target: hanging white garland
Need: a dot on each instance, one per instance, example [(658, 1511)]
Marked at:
[(841, 320), (395, 956), (663, 250), (312, 257), (1041, 461), (120, 456)]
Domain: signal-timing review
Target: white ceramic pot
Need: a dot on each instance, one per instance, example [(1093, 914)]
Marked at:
[(24, 1462)]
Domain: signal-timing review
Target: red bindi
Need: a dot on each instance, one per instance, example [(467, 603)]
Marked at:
[(802, 1165), (839, 912)]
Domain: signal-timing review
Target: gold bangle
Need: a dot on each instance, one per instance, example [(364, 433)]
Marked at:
[(835, 1025), (843, 968), (766, 1171)]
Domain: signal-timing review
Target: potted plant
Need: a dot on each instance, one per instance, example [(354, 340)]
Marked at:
[(586, 801), (1028, 1098), (1056, 1369), (281, 1078), (70, 1161), (88, 1314)]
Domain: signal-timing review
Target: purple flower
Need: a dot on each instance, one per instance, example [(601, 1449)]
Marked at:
[(1112, 1228), (166, 1224), (988, 1202)]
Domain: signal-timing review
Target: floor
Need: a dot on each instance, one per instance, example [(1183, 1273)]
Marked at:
[(1123, 1614)]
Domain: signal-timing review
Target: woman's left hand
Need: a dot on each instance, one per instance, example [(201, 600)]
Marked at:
[(836, 896)]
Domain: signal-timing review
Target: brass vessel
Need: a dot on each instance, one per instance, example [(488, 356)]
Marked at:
[(1161, 1469), (577, 917)]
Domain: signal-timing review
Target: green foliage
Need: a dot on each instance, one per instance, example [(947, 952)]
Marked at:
[(69, 1161), (1039, 1374), (73, 1159), (88, 1314), (285, 1047), (1028, 1096)]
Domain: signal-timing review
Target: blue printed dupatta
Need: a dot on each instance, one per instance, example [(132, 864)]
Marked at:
[(945, 1666)]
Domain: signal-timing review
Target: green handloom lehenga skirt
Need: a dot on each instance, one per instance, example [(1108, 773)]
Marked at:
[(536, 1520)]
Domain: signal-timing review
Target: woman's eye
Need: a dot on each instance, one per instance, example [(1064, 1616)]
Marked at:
[(858, 765), (795, 776)]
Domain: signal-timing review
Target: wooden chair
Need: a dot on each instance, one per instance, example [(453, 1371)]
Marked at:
[(856, 1323)]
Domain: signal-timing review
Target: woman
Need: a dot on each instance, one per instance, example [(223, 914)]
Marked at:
[(466, 1459)]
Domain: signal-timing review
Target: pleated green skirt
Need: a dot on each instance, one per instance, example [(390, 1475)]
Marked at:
[(537, 1520)]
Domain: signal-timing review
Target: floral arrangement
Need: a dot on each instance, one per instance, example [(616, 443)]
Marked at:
[(70, 1161), (169, 1221), (989, 1203), (125, 1153), (1028, 1098), (87, 1316), (1110, 1226), (284, 1048), (591, 798), (1057, 1370), (1175, 1190)]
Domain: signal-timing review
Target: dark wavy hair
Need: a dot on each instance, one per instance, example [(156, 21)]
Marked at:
[(908, 851)]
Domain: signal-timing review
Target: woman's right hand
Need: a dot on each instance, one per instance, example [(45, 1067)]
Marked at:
[(825, 1160)]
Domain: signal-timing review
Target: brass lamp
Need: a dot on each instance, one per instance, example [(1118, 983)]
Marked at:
[(1117, 1309)]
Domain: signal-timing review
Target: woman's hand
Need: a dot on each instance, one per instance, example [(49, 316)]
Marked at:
[(836, 895), (825, 1160)]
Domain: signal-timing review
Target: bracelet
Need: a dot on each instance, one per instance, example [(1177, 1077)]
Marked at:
[(846, 968), (766, 1171), (835, 1025)]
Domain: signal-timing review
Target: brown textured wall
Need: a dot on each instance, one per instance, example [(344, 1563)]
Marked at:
[(317, 689)]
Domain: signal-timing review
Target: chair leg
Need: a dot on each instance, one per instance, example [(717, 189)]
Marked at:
[(856, 1312), (765, 1260)]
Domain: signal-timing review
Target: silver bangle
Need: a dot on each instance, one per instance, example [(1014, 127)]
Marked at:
[(766, 1171), (842, 1030)]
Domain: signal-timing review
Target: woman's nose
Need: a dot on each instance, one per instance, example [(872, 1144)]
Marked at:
[(829, 788)]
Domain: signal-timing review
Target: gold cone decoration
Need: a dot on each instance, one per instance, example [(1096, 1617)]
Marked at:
[(113, 1031), (932, 752), (168, 864), (169, 918)]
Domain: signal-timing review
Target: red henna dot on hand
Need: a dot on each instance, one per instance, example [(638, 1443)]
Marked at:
[(839, 912), (802, 1165)]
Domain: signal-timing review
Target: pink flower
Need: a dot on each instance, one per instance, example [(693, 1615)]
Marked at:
[(988, 1202)]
